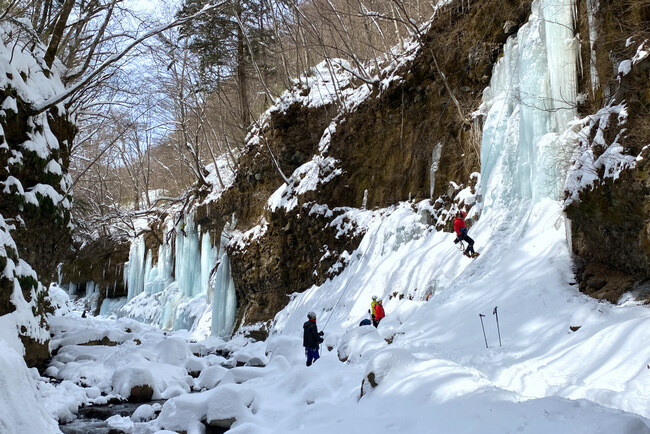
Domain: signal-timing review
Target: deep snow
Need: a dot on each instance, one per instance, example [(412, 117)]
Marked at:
[(434, 375)]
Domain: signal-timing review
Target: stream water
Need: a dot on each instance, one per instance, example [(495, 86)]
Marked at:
[(92, 419)]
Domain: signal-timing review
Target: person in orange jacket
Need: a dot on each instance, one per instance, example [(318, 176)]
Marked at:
[(461, 234), (379, 313)]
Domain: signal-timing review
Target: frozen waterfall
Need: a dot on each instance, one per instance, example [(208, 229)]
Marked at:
[(183, 287), (530, 101)]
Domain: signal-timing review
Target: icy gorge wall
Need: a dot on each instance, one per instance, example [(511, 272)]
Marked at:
[(361, 144), (501, 105), (383, 144)]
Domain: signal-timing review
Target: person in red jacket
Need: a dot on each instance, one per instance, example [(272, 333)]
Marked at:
[(461, 233), (379, 313)]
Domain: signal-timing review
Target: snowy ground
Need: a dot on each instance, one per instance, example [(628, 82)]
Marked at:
[(435, 375)]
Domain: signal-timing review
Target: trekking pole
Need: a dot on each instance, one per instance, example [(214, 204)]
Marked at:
[(496, 314), (480, 315)]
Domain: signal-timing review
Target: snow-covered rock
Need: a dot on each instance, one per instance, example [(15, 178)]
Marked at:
[(210, 377), (135, 383), (360, 342), (227, 404)]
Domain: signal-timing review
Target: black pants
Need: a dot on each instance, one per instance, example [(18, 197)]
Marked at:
[(469, 241)]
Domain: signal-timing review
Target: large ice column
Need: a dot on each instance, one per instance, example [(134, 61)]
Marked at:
[(208, 261), (224, 302), (224, 305), (188, 258), (562, 50), (180, 286), (531, 99), (160, 275), (111, 305), (136, 268), (592, 9), (90, 288)]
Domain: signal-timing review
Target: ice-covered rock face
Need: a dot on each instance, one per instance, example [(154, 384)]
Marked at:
[(530, 102)]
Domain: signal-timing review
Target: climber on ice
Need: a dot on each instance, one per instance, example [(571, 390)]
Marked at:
[(461, 234)]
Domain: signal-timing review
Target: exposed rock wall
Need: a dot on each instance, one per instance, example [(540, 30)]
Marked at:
[(383, 146), (610, 223)]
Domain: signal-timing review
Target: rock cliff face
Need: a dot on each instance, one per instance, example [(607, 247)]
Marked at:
[(384, 146), (611, 222), (381, 152)]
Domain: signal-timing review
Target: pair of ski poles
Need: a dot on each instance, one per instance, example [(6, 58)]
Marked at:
[(496, 315)]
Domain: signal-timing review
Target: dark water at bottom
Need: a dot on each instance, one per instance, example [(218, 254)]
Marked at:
[(92, 419)]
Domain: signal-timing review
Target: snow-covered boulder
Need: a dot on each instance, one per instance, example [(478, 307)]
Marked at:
[(245, 358), (359, 342), (175, 389), (120, 424), (194, 365), (173, 351), (227, 405), (382, 363), (289, 347), (185, 412), (134, 383), (91, 336), (243, 374), (210, 377), (64, 399), (146, 412)]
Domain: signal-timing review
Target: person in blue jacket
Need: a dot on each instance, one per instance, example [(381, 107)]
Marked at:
[(311, 338)]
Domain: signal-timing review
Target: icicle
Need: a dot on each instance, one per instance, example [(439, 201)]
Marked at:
[(592, 9), (188, 258), (225, 300), (364, 202), (435, 161), (224, 303), (208, 259), (562, 59)]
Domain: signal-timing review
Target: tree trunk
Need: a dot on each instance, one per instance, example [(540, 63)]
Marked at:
[(57, 34), (241, 72)]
